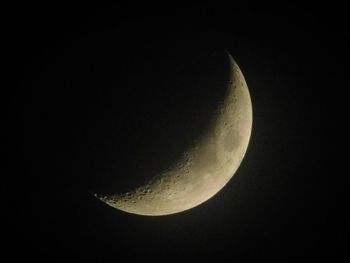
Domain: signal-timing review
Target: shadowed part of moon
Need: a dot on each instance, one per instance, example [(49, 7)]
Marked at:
[(205, 166)]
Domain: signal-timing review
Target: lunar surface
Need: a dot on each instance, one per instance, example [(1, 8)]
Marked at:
[(205, 167)]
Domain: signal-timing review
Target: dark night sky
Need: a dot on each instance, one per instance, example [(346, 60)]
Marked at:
[(90, 86)]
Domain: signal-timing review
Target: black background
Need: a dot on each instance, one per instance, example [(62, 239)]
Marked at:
[(91, 85)]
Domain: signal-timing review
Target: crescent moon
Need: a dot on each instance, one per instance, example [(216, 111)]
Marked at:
[(208, 164)]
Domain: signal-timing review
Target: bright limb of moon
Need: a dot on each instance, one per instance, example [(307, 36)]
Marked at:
[(208, 164)]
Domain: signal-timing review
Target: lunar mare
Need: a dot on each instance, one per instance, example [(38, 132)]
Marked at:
[(205, 167)]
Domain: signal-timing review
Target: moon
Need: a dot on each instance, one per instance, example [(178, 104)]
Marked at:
[(205, 167)]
